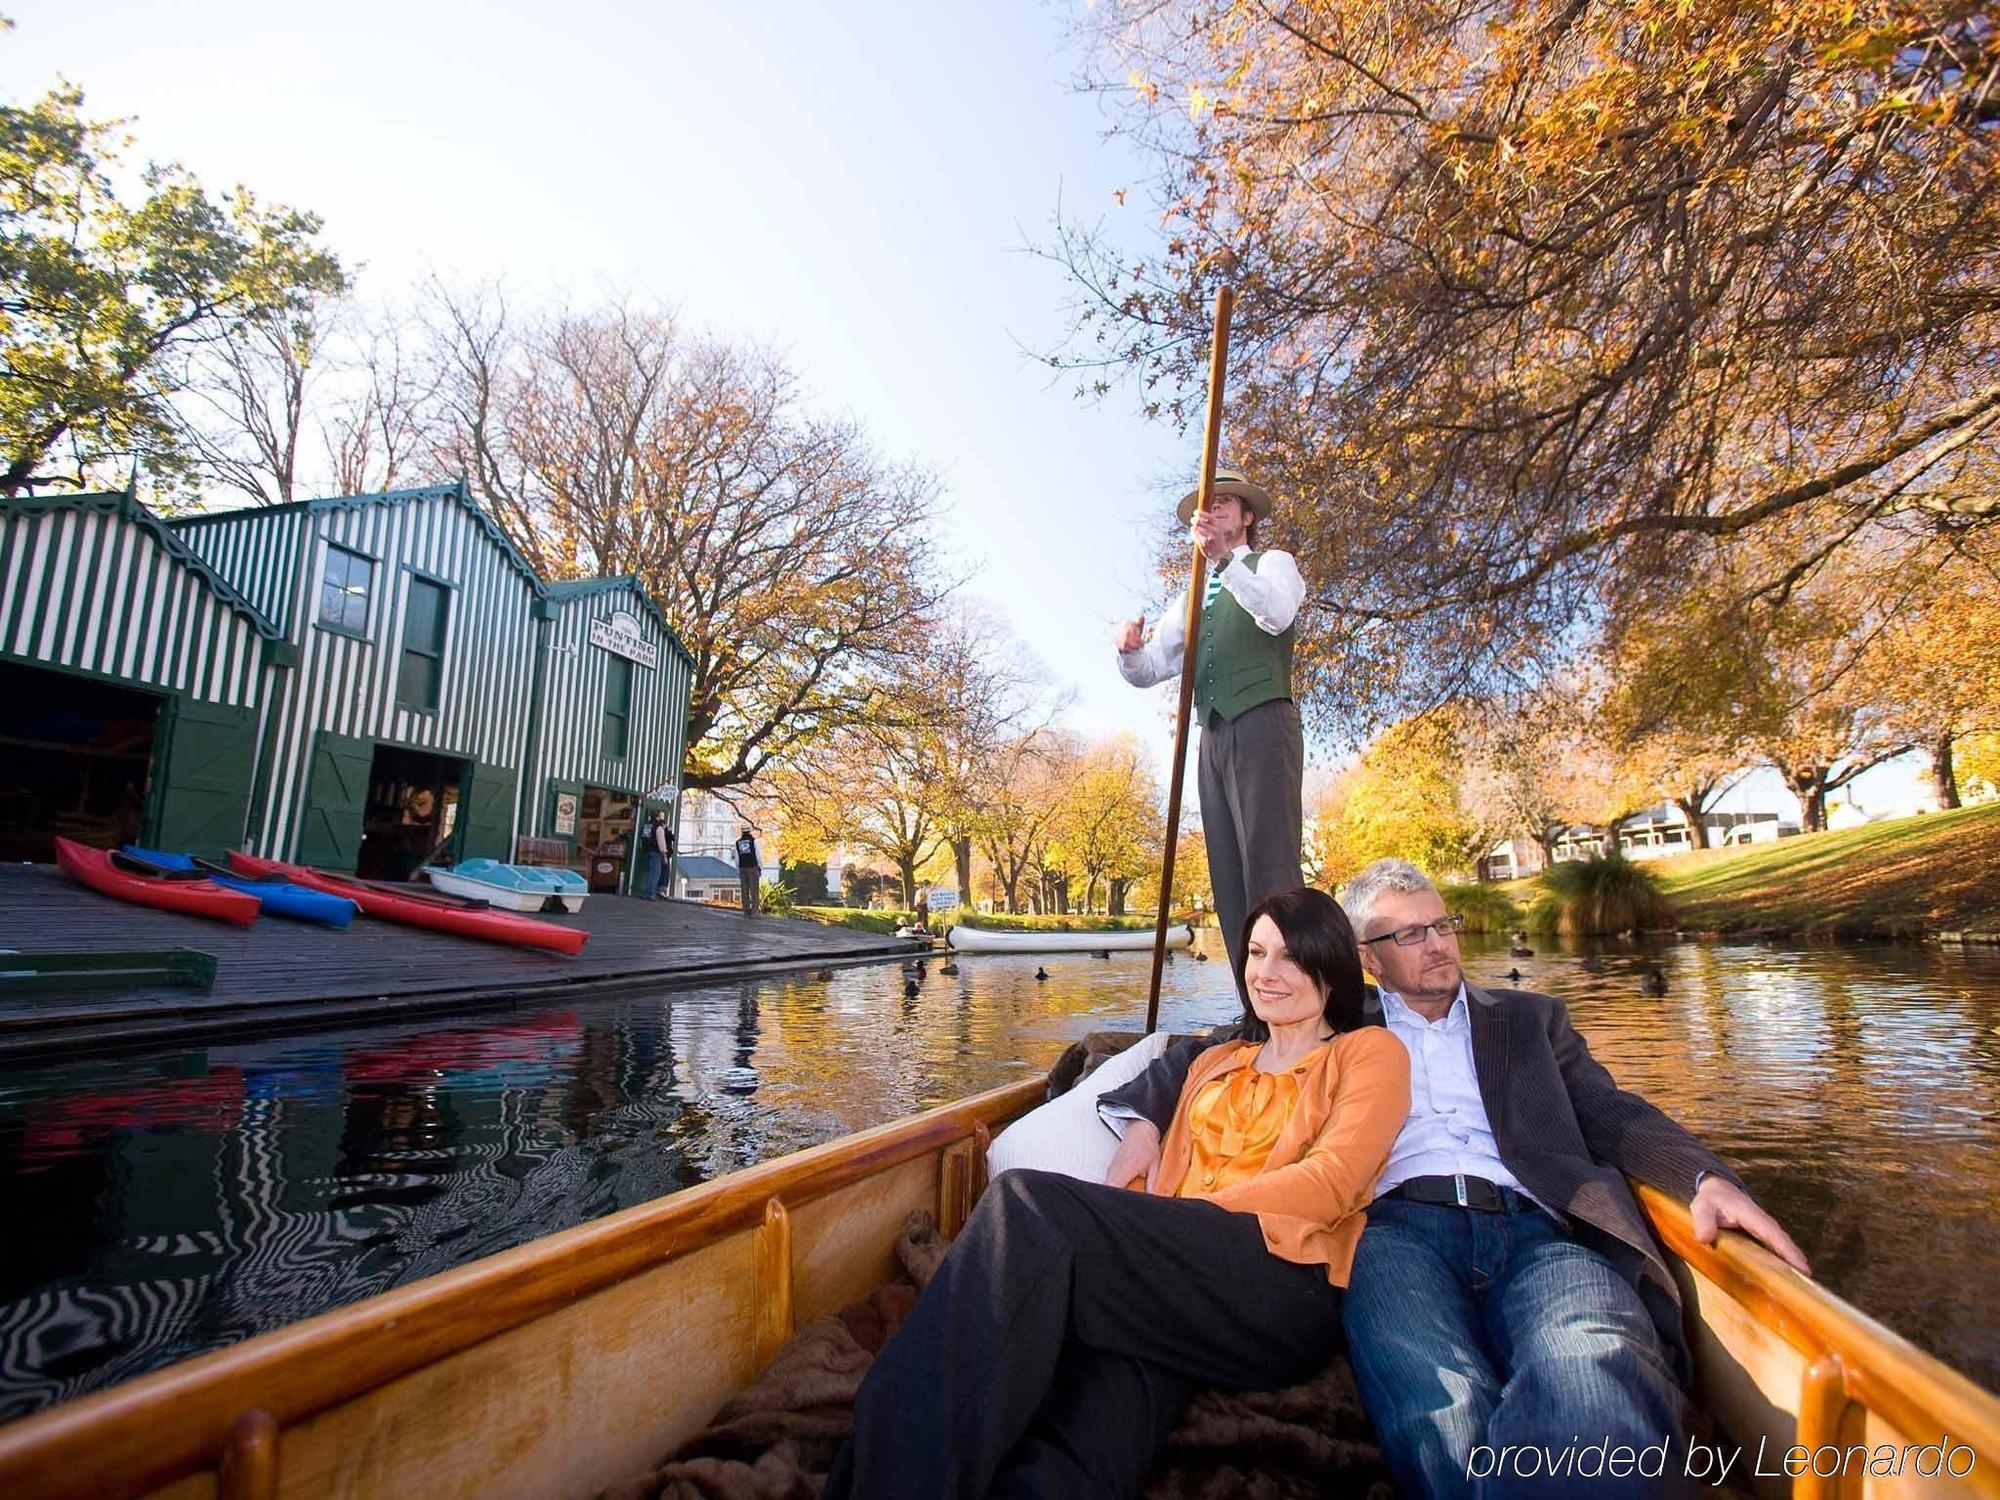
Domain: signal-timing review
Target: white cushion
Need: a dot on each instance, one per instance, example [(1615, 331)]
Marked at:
[(1065, 1135)]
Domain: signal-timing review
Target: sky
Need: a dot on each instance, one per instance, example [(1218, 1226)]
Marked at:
[(857, 186)]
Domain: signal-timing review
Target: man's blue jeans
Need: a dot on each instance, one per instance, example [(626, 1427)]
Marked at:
[(1473, 1332), (651, 888)]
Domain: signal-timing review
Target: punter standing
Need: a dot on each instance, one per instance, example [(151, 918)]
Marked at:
[(1252, 752)]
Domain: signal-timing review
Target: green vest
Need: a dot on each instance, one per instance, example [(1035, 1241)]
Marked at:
[(1239, 664)]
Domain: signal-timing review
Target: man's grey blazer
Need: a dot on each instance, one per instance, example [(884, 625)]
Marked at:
[(1562, 1126)]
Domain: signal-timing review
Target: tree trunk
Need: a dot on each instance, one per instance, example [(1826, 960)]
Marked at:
[(1943, 776), (1115, 903), (1697, 830), (1808, 784), (961, 849), (908, 866)]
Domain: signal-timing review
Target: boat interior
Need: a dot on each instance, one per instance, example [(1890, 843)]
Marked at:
[(572, 1364)]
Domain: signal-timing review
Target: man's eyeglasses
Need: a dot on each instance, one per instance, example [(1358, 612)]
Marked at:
[(1409, 937)]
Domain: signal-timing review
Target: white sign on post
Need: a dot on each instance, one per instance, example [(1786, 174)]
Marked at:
[(622, 636)]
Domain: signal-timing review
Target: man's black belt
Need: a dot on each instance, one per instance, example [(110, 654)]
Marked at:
[(1475, 1193)]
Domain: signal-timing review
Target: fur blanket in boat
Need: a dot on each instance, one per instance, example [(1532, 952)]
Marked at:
[(776, 1440)]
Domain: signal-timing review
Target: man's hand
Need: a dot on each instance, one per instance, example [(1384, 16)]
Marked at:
[(1208, 535), (1720, 1204), (1132, 634), (1138, 1155)]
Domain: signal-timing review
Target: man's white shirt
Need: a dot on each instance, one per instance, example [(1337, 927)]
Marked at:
[(1271, 596), (1447, 1132)]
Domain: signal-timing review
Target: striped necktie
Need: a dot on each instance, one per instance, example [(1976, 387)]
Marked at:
[(1214, 588)]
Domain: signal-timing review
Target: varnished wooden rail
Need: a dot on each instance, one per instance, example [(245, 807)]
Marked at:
[(224, 1412), (1854, 1364)]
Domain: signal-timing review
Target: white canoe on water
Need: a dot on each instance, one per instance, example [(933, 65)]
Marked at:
[(985, 940)]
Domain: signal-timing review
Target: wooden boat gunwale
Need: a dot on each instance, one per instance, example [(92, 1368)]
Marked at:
[(190, 1417), (225, 1412)]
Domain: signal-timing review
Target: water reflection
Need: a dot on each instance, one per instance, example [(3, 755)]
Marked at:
[(179, 1202)]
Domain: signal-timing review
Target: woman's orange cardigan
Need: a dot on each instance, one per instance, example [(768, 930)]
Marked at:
[(1312, 1196)]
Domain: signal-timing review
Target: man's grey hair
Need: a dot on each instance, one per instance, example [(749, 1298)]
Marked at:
[(1380, 879)]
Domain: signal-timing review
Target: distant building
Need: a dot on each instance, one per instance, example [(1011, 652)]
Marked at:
[(703, 877), (1651, 833), (712, 821)]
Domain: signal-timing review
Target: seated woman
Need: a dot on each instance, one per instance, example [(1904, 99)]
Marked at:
[(1071, 1320)]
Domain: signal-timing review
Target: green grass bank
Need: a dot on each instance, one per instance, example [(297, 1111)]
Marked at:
[(1901, 879)]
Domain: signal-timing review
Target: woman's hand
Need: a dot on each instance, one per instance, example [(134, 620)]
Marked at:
[(1138, 1155)]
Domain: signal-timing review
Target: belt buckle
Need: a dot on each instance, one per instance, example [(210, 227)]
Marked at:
[(1458, 1187)]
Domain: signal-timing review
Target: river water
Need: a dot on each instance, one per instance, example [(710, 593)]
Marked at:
[(171, 1203)]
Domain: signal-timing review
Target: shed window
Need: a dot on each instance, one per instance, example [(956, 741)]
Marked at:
[(617, 707), (422, 672), (343, 592)]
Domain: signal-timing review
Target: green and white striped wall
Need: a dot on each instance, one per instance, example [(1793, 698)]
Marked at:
[(569, 742), (342, 694), (98, 586)]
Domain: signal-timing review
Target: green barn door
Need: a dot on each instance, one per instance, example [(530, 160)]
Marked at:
[(489, 814), (336, 798), (202, 795)]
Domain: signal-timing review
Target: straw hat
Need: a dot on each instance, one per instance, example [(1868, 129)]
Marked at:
[(1229, 482)]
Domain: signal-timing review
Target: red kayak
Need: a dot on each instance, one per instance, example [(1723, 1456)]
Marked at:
[(413, 910), (129, 880)]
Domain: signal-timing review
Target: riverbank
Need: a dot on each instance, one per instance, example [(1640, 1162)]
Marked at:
[(292, 975), (1910, 878)]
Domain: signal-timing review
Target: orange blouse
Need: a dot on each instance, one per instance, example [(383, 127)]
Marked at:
[(1320, 1134), (1233, 1122)]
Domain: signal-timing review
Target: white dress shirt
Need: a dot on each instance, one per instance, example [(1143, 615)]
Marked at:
[(1271, 596), (1447, 1132)]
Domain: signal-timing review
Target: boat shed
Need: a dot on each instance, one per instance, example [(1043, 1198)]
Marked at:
[(613, 681), (133, 681), (361, 683)]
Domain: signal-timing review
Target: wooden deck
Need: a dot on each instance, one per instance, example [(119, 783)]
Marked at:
[(294, 974)]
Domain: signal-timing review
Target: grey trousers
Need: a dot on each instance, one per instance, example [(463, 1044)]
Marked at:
[(1250, 779), (748, 881)]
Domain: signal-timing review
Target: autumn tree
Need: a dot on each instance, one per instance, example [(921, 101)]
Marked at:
[(1108, 827), (1543, 302), (1027, 779), (1401, 799), (1936, 667), (1522, 760), (104, 301), (1688, 697), (793, 561)]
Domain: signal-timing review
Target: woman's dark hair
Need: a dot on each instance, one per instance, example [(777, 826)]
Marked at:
[(1319, 940)]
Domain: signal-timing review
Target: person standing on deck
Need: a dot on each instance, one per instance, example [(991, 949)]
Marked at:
[(656, 844), (749, 871), (1252, 758)]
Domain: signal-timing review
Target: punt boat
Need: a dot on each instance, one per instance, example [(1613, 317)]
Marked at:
[(580, 1359), (990, 940)]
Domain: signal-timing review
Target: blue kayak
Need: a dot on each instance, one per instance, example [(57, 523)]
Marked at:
[(280, 897)]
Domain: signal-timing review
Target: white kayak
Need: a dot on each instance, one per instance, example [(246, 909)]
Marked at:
[(986, 940)]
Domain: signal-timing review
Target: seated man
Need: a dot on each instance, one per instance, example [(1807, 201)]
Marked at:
[(1507, 1288)]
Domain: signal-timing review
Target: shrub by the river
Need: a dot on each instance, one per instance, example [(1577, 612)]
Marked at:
[(1484, 908), (856, 919), (1598, 896)]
